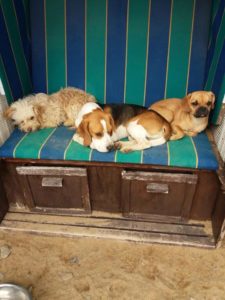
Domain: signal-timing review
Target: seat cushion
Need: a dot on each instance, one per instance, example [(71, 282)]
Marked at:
[(57, 143)]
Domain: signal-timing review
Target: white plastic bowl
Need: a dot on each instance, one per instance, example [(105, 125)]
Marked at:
[(10, 291)]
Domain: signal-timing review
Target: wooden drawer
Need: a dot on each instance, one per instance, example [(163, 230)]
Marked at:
[(55, 189), (149, 195)]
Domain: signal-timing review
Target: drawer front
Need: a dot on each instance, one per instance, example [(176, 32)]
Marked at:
[(56, 188), (146, 194)]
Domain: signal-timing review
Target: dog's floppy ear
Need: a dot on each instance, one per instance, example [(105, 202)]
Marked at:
[(212, 95), (38, 110), (110, 124), (9, 112), (83, 132), (186, 103)]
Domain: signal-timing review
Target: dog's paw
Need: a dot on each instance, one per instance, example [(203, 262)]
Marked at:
[(122, 146), (175, 137), (117, 145), (75, 137), (191, 133), (78, 139), (125, 149)]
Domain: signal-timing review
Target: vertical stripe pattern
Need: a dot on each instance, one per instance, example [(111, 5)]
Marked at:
[(8, 61), (220, 98), (158, 48), (23, 25), (14, 50), (95, 47), (5, 82), (55, 44), (199, 50), (180, 39), (38, 42), (75, 33), (116, 44), (136, 51), (127, 50), (215, 65), (11, 22)]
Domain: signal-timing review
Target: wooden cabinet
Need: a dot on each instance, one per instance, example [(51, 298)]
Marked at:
[(51, 188), (132, 190), (149, 194), (145, 200)]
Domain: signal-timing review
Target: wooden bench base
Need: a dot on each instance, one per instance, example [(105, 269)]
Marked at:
[(187, 234), (146, 203)]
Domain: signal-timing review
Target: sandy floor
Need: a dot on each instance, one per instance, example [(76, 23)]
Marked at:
[(69, 269)]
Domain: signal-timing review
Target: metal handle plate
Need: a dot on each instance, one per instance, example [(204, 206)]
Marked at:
[(157, 188), (52, 182)]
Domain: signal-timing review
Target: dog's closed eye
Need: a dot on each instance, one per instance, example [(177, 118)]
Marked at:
[(99, 134), (32, 118), (195, 103)]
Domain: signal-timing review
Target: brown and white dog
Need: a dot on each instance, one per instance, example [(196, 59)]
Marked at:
[(149, 129), (41, 110), (187, 116), (101, 126)]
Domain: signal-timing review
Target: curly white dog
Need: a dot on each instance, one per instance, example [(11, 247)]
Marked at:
[(41, 110)]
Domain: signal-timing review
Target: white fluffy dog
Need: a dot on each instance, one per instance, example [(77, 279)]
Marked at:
[(41, 110)]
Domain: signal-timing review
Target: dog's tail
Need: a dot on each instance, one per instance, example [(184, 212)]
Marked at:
[(167, 130)]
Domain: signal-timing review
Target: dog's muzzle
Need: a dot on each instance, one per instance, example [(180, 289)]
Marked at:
[(201, 112)]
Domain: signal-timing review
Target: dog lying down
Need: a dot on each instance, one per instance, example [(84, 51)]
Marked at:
[(187, 116), (41, 110), (101, 127)]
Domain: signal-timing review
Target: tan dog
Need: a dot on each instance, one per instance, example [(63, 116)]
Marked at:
[(41, 110), (187, 116)]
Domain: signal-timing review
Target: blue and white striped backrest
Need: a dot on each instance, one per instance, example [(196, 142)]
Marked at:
[(133, 51)]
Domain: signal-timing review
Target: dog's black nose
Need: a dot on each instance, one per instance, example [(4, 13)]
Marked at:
[(201, 112), (110, 147)]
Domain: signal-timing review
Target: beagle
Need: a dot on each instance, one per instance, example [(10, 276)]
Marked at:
[(100, 126), (146, 130), (94, 128)]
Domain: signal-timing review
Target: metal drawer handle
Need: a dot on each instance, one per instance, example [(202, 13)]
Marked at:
[(158, 188), (52, 182)]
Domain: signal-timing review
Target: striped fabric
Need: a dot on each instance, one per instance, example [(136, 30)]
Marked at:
[(123, 51), (215, 67), (57, 143), (133, 51), (15, 51), (128, 51)]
